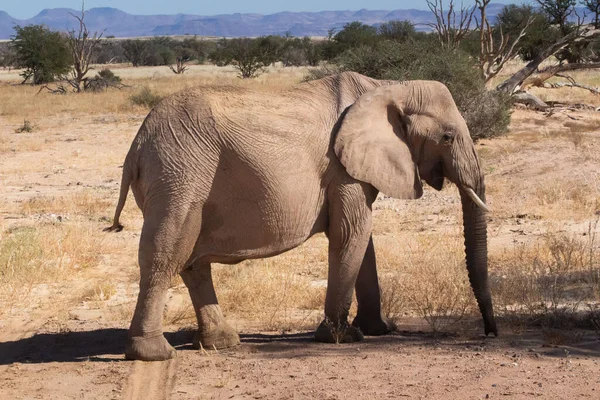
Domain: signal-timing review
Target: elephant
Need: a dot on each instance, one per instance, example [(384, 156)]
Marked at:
[(224, 174)]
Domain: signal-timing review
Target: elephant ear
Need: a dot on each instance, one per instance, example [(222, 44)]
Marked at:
[(372, 143)]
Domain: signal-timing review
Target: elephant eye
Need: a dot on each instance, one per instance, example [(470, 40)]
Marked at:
[(447, 138)]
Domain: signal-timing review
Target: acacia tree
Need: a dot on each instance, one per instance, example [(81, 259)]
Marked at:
[(558, 11), (135, 51), (43, 54), (244, 54)]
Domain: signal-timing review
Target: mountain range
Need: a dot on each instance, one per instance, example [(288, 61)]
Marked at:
[(115, 22)]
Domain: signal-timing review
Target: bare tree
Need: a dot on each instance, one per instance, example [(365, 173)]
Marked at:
[(451, 28), (83, 45), (493, 55)]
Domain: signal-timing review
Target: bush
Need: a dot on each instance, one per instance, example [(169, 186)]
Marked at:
[(487, 113), (105, 79), (145, 98), (26, 127)]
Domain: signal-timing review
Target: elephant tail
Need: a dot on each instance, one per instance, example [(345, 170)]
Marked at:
[(125, 184)]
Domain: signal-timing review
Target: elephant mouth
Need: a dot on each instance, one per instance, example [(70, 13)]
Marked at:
[(436, 176)]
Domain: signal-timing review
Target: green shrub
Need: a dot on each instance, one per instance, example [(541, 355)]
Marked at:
[(145, 98), (487, 113)]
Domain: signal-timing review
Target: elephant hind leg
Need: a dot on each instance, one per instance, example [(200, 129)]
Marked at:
[(213, 329), (166, 243)]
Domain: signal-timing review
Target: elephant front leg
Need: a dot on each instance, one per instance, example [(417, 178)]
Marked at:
[(213, 330), (348, 239), (368, 295)]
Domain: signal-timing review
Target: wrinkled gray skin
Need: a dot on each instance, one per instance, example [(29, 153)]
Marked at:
[(225, 174)]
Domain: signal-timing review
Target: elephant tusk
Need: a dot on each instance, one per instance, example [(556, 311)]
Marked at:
[(476, 199)]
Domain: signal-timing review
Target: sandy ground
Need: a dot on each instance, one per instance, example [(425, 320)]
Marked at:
[(60, 346)]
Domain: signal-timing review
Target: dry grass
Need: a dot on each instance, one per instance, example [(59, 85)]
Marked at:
[(84, 203), (552, 282), (271, 293), (426, 278), (43, 254), (20, 102)]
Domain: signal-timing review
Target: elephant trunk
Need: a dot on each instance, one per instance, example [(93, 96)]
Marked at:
[(475, 231)]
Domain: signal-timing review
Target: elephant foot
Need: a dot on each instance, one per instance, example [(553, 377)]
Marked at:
[(221, 337), (149, 349), (374, 326), (329, 332)]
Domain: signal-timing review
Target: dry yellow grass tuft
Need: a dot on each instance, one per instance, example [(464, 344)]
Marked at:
[(270, 292), (426, 277), (84, 203), (44, 253), (551, 281)]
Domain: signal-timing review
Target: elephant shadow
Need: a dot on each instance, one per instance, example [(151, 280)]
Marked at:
[(102, 345), (106, 345)]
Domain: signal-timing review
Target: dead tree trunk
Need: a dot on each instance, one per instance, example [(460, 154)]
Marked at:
[(509, 85)]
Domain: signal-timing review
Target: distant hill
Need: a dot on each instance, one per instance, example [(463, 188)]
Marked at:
[(122, 24)]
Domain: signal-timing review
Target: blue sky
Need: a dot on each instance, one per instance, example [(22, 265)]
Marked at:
[(28, 8)]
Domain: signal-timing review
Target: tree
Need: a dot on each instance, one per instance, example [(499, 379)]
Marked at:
[(449, 27), (558, 11), (396, 30), (244, 54), (486, 112), (135, 51), (160, 51), (182, 55), (43, 53), (513, 18), (594, 7), (83, 46), (495, 53), (355, 34)]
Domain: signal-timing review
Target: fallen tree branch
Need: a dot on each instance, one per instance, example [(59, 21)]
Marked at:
[(558, 85), (510, 85), (569, 67), (530, 100)]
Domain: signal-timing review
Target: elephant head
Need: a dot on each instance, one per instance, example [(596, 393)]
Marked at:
[(393, 136)]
